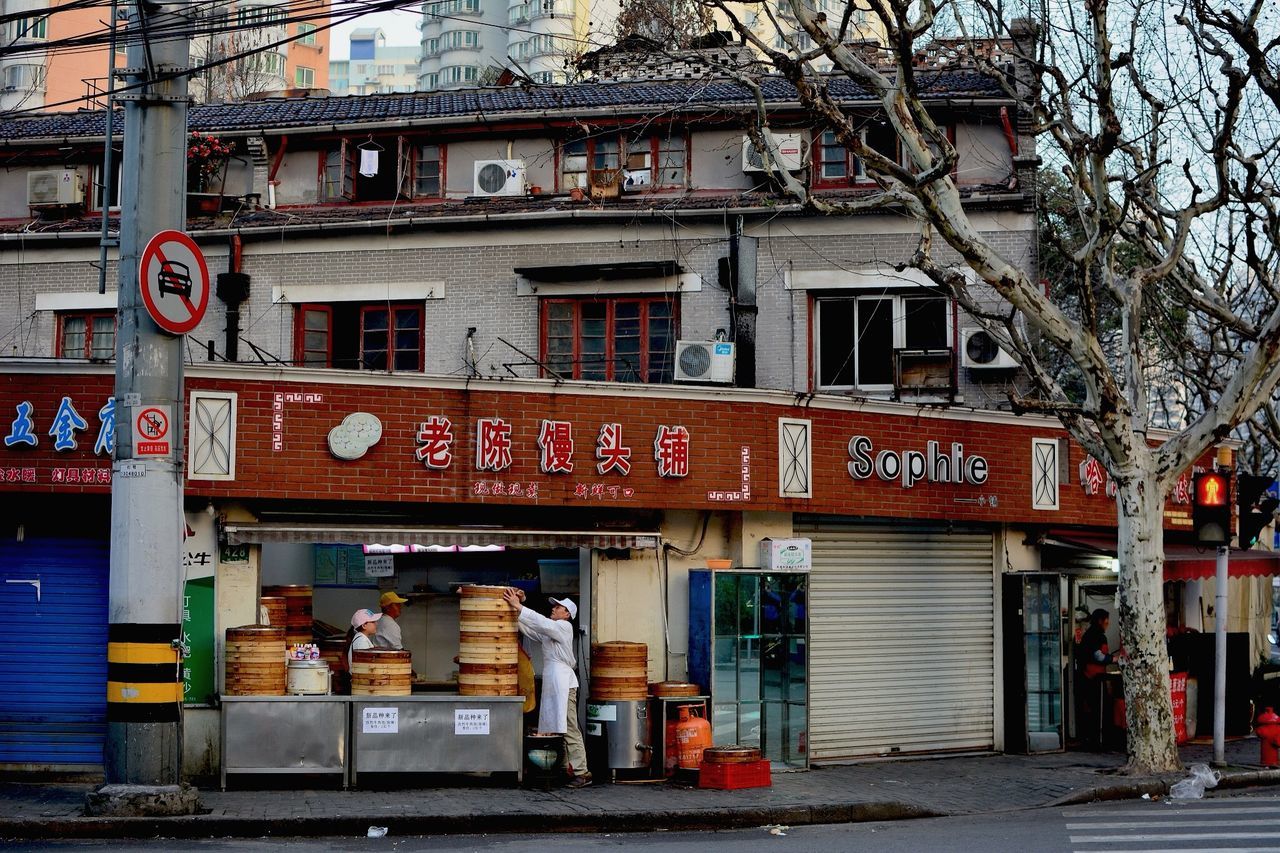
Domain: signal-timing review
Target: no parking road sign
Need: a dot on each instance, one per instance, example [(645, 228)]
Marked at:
[(174, 281)]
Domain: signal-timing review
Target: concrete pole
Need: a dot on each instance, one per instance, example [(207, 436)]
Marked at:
[(144, 689), (1220, 660)]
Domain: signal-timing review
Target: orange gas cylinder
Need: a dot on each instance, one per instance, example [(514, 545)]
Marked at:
[(693, 735)]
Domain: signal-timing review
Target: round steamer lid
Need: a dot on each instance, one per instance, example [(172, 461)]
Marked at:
[(674, 688), (734, 754)]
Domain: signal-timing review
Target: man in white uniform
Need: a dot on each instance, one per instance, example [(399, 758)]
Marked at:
[(388, 636), (558, 710)]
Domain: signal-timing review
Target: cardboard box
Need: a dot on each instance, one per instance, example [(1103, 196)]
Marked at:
[(786, 555)]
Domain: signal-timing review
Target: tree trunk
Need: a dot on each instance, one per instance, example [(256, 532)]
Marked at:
[(1140, 547)]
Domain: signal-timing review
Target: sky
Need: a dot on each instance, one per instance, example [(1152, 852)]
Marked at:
[(400, 27)]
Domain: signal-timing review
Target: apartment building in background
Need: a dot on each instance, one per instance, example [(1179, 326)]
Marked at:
[(32, 78), (374, 67)]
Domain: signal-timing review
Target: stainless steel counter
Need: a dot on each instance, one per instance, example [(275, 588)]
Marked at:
[(285, 734), (421, 733), (436, 733)]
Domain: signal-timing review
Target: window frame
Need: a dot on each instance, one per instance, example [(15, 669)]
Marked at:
[(362, 311), (298, 75), (610, 355), (31, 27), (898, 332), (88, 317), (409, 157), (306, 34), (658, 144)]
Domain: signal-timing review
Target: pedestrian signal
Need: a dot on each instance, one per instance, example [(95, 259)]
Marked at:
[(1211, 508), (1257, 507)]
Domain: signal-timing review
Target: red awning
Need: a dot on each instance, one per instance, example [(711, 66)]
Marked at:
[(1187, 563), (1181, 562)]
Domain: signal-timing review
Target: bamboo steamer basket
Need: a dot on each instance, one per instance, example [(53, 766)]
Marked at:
[(277, 610), (255, 656), (734, 754), (674, 688), (334, 652), (297, 610), (476, 679), (488, 645), (381, 672), (619, 671)]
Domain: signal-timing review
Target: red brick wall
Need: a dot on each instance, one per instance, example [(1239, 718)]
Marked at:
[(304, 469)]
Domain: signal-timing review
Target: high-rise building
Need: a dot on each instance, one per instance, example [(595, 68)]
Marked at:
[(373, 66), (58, 78), (464, 39)]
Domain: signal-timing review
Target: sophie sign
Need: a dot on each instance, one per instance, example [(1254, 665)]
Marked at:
[(911, 466), (175, 282)]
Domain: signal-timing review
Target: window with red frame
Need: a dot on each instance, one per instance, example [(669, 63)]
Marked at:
[(87, 335), (837, 166), (629, 339), (359, 336), (657, 160)]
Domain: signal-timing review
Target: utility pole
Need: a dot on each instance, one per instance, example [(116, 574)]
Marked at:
[(144, 685)]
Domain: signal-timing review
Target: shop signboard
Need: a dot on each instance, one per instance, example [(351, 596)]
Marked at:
[(199, 562)]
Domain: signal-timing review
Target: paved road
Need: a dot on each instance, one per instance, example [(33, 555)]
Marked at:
[(1236, 822)]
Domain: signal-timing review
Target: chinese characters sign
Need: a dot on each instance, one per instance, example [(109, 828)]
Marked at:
[(495, 439), (380, 721), (63, 426), (471, 721)]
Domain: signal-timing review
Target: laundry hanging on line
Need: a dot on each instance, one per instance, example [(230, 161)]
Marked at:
[(368, 162)]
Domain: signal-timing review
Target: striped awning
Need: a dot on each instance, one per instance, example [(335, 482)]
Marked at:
[(247, 533)]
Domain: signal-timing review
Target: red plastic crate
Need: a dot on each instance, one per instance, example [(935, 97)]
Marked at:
[(731, 777)]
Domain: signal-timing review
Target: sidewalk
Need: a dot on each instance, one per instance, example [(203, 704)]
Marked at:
[(886, 790)]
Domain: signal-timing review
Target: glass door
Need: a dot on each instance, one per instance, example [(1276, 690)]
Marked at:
[(1042, 641), (760, 679)]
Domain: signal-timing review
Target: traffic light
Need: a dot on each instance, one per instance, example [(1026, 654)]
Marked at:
[(1211, 507), (1257, 507)]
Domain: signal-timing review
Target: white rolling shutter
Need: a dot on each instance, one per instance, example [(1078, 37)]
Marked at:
[(901, 636)]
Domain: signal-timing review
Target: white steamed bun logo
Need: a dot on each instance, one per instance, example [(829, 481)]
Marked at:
[(352, 438)]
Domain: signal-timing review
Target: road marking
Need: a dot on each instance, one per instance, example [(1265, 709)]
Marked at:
[(1151, 810), (1157, 824), (1177, 836), (1195, 850)]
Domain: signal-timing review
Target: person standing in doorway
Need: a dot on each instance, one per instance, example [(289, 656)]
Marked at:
[(1092, 656), (388, 636), (558, 709)]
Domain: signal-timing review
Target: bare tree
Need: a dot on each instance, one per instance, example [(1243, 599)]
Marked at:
[(1160, 118)]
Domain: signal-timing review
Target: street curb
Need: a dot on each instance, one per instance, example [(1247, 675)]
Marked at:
[(212, 826), (1133, 789)]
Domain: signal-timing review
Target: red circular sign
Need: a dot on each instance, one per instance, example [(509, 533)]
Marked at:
[(152, 423), (174, 281)]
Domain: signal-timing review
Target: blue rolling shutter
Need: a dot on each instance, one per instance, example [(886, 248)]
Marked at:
[(53, 654)]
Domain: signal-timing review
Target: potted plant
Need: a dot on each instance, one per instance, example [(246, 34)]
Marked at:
[(207, 157)]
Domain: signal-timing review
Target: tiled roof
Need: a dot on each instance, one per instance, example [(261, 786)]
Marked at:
[(489, 103), (399, 216)]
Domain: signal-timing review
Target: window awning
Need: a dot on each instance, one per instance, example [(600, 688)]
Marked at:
[(600, 272), (1181, 562), (246, 533)]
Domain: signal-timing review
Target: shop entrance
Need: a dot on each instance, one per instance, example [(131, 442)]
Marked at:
[(1036, 660), (757, 636)]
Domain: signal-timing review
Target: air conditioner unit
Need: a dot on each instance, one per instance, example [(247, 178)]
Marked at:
[(704, 361), (499, 177), (790, 153), (980, 351), (53, 188)]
